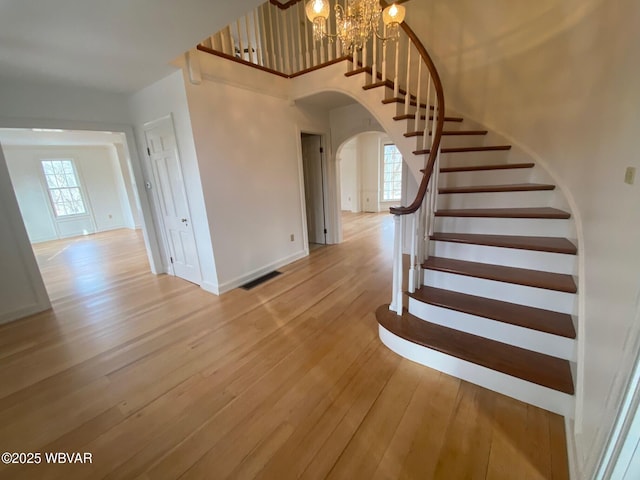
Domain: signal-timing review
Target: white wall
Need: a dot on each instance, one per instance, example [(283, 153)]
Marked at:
[(22, 291), (560, 77), (349, 121), (369, 159), (99, 172), (168, 97), (247, 139), (349, 178)]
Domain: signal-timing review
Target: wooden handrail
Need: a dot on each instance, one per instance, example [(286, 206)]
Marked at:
[(284, 6), (435, 146)]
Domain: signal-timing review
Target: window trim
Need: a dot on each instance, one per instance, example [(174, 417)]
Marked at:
[(80, 187)]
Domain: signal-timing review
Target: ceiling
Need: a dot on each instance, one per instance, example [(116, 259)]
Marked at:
[(116, 45), (124, 45), (24, 137)]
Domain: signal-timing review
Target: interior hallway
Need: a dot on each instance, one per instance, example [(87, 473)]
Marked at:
[(159, 379)]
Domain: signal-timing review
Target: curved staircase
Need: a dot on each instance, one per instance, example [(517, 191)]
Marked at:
[(490, 295), (498, 290)]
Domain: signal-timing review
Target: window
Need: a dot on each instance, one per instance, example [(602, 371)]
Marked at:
[(64, 187), (392, 182)]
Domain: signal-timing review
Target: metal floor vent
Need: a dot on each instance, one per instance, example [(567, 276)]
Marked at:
[(260, 280)]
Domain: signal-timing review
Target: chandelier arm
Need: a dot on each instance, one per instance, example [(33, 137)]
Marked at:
[(380, 37)]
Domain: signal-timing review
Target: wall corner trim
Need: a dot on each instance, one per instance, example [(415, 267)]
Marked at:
[(210, 287)]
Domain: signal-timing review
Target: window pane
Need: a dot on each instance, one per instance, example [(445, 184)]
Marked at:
[(392, 181), (63, 184)]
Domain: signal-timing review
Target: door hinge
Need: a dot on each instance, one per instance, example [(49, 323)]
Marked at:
[(148, 151), (321, 150), (171, 258), (325, 231)]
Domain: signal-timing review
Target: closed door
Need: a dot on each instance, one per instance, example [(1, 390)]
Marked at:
[(314, 187), (172, 200)]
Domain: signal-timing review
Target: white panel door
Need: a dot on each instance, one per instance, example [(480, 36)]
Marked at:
[(173, 207), (314, 187)]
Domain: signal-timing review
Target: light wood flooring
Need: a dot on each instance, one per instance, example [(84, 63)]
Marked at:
[(159, 379)]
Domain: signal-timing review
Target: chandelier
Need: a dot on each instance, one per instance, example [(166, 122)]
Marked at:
[(357, 23)]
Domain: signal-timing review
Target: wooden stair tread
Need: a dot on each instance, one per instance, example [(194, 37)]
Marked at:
[(550, 372), (519, 276), (538, 212), (413, 103), (385, 83), (408, 116), (546, 321), (540, 244), (514, 187), (357, 71), (381, 83), (485, 148), (420, 133), (479, 168)]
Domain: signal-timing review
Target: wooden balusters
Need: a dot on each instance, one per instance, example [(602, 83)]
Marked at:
[(384, 54), (396, 69), (426, 139), (374, 61), (301, 57), (407, 100), (416, 117), (256, 32)]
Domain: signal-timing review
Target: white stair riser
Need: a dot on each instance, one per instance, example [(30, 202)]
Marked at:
[(505, 226), (485, 177), (507, 292), (448, 125), (400, 108), (495, 200), (477, 158), (543, 397), (509, 257), (450, 141), (541, 342)]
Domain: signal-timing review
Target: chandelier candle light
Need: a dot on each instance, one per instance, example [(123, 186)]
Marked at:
[(357, 23)]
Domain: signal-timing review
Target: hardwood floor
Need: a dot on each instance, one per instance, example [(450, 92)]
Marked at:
[(159, 379)]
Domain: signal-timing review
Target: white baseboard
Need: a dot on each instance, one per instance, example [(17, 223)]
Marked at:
[(241, 280)]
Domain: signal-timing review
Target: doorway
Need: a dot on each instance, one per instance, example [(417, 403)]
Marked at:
[(313, 166), (74, 191), (372, 178)]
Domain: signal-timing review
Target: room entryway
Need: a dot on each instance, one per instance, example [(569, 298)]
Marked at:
[(75, 191), (314, 188)]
